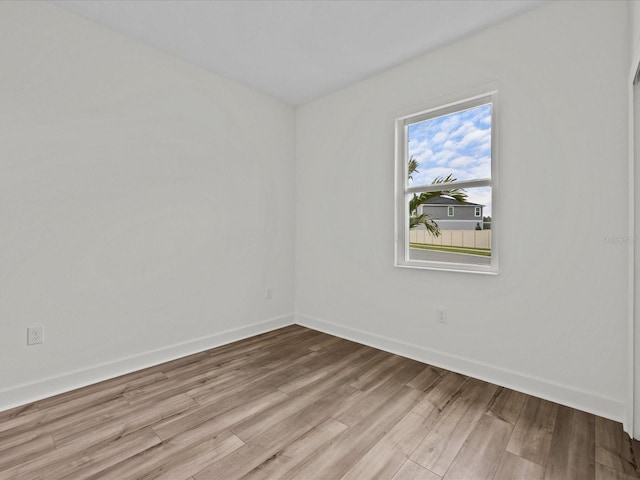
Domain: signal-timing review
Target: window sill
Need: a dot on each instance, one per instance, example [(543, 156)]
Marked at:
[(449, 267)]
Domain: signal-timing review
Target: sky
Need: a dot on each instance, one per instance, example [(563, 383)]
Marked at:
[(458, 143)]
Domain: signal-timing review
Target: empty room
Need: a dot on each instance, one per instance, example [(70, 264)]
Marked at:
[(319, 239)]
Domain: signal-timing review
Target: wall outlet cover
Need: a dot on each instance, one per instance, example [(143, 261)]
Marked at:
[(35, 335)]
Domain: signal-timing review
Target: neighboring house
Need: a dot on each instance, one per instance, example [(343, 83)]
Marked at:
[(450, 214)]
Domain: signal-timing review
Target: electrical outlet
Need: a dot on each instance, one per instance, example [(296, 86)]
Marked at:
[(441, 316), (35, 335), (269, 294)]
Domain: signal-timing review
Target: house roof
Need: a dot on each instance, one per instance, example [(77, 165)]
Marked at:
[(449, 201)]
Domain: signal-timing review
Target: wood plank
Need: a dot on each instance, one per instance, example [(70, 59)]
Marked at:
[(445, 391), (17, 423), (130, 418), (276, 373), (325, 344), (268, 443), (531, 438), (438, 450), (178, 458), (72, 402), (427, 379), (304, 379), (481, 453), (12, 440), (19, 411), (269, 417), (606, 473), (25, 451), (506, 405), (224, 385), (338, 353), (167, 389), (299, 450), (368, 403), (572, 452), (613, 447), (338, 457), (635, 452), (412, 471), (215, 420), (213, 366), (338, 374), (378, 373), (393, 450), (33, 468), (88, 399), (89, 418), (97, 458), (513, 467), (193, 459), (147, 415)]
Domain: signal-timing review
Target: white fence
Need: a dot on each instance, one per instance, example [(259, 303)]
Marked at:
[(453, 238)]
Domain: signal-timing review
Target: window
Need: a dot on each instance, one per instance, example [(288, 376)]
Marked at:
[(445, 187)]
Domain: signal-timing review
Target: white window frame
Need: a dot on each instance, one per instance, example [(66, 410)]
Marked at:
[(478, 212), (403, 191), (450, 211)]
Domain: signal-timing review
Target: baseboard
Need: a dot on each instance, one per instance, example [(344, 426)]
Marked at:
[(586, 401), (31, 392), (521, 382)]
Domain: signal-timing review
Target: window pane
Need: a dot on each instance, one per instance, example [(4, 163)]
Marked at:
[(436, 236), (444, 186), (455, 146)]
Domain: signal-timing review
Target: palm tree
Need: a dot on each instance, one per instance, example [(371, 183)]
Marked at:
[(424, 219)]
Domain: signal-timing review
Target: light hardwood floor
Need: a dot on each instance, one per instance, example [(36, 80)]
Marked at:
[(300, 404)]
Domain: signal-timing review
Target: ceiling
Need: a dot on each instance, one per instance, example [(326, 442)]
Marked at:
[(297, 50)]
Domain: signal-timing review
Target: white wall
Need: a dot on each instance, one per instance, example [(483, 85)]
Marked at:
[(145, 205), (634, 25), (554, 321), (634, 133)]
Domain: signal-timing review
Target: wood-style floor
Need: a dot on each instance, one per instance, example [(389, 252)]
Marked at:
[(300, 404)]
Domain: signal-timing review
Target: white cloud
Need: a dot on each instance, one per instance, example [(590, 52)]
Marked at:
[(440, 137), (482, 168), (476, 136), (463, 130), (462, 161), (443, 156), (457, 144), (449, 122), (432, 173)]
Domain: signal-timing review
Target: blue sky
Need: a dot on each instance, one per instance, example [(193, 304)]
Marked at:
[(458, 143)]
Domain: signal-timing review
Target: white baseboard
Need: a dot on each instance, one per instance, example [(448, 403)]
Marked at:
[(586, 401), (521, 382), (31, 392)]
